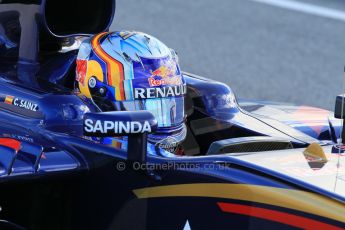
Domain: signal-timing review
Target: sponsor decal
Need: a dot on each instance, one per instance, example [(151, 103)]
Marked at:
[(18, 137), (169, 91), (227, 101), (10, 100), (169, 144), (169, 81), (23, 138), (81, 71), (116, 127), (164, 75)]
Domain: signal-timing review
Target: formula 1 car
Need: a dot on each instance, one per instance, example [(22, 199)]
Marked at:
[(247, 164)]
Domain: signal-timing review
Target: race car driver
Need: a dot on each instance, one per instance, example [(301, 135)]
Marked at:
[(134, 71)]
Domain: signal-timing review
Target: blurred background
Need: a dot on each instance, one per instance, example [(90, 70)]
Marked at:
[(278, 50)]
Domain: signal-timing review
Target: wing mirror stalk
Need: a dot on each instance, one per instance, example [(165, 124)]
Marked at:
[(339, 112)]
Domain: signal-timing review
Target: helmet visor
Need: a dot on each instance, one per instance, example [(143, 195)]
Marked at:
[(169, 112)]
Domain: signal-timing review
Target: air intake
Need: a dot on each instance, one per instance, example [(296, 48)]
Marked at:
[(248, 144)]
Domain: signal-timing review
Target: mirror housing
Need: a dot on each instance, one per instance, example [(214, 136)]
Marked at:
[(30, 26), (64, 18), (339, 107), (134, 124)]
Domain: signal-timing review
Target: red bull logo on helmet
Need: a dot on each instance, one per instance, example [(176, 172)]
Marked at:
[(164, 75), (81, 71)]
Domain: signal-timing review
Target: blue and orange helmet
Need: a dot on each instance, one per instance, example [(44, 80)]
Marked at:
[(134, 71)]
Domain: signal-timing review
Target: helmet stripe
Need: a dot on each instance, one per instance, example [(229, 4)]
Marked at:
[(115, 73)]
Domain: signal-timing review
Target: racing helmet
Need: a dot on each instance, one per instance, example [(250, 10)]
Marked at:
[(130, 71)]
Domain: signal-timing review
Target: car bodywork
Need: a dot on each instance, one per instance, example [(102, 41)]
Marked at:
[(247, 163)]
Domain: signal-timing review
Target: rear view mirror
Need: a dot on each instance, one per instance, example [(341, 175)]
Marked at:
[(134, 124), (339, 106)]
